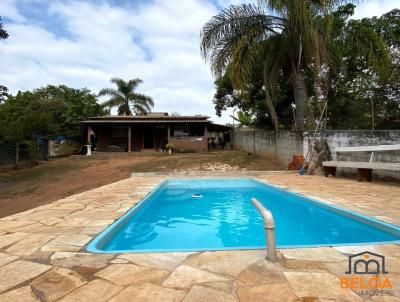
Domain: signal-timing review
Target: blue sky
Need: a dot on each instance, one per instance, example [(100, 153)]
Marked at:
[(85, 43)]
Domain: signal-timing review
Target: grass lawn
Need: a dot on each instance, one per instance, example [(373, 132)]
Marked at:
[(27, 188)]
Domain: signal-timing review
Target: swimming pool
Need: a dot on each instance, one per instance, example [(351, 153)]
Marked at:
[(216, 214)]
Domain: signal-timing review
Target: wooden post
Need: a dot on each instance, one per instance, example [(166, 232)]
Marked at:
[(154, 138), (169, 133), (232, 133), (17, 156), (206, 136), (89, 131), (129, 138), (48, 149)]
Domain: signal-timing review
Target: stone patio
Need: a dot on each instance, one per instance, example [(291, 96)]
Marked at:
[(43, 258)]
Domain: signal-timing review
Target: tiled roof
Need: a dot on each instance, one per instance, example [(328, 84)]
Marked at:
[(147, 119)]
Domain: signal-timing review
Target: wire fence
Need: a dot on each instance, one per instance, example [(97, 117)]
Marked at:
[(7, 153), (12, 153)]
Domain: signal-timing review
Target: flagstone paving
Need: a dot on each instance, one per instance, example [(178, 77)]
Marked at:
[(43, 252)]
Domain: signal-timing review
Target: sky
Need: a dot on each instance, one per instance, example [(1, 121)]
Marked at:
[(86, 43)]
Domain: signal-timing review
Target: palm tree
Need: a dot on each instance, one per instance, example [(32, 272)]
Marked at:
[(287, 41), (126, 99)]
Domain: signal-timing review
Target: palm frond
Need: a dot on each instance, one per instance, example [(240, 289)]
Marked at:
[(132, 84), (124, 97), (365, 42), (124, 109), (114, 102), (109, 92), (224, 32), (117, 81), (139, 110), (142, 103), (245, 57), (143, 99)]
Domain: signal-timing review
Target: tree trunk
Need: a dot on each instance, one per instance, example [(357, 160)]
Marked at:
[(299, 92), (270, 104), (372, 114), (319, 154)]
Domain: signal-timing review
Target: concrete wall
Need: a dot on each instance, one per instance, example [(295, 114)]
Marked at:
[(282, 145), (354, 138), (285, 144)]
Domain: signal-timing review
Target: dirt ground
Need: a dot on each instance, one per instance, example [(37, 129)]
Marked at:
[(27, 188)]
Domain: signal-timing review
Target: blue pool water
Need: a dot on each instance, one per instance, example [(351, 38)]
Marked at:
[(195, 215)]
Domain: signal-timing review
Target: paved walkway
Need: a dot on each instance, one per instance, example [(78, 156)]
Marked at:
[(43, 258)]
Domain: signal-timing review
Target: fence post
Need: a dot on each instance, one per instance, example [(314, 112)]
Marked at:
[(17, 156)]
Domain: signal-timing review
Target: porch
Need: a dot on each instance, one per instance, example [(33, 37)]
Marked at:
[(138, 133)]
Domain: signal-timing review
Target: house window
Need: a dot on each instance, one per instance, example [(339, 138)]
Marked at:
[(187, 130), (119, 131)]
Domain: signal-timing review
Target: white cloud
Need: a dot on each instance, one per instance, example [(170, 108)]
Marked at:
[(8, 10), (374, 8), (157, 41)]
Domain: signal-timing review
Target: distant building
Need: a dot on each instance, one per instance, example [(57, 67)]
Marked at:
[(153, 131)]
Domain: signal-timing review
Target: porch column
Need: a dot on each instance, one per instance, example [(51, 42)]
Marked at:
[(169, 132), (129, 137), (206, 136), (89, 131)]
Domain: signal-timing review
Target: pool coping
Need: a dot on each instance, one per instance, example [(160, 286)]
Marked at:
[(202, 173)]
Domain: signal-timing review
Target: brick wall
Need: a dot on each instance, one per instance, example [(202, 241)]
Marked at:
[(189, 143)]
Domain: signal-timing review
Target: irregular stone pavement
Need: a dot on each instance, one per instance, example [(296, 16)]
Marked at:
[(43, 257)]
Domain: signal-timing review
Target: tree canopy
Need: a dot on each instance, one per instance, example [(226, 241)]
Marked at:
[(355, 69), (3, 32), (3, 89), (50, 110), (281, 36)]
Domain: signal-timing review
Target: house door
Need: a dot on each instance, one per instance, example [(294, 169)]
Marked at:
[(160, 137), (148, 137)]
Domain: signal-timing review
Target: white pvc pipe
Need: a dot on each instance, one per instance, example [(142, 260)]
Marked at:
[(269, 225)]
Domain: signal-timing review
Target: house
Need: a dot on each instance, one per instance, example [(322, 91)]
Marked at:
[(153, 131)]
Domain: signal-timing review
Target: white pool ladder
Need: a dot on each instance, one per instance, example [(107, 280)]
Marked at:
[(269, 225)]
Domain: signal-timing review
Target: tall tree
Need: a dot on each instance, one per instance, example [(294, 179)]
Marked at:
[(3, 32), (50, 110), (3, 93), (251, 99), (286, 41), (3, 89), (126, 99), (361, 69)]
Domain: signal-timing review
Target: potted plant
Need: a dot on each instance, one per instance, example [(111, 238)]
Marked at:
[(170, 147)]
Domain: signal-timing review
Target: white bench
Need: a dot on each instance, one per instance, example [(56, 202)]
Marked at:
[(364, 168)]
